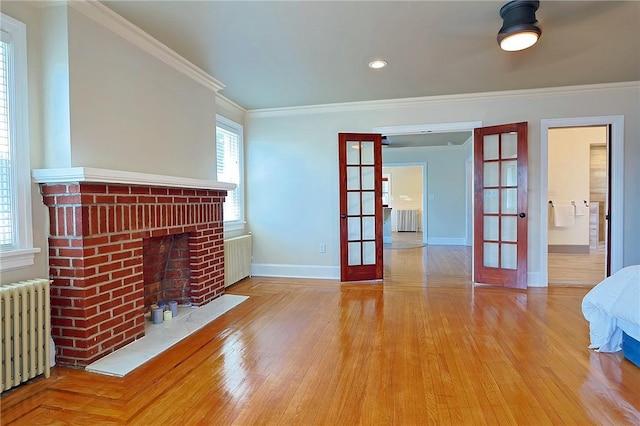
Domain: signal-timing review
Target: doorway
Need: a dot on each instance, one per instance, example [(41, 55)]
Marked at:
[(615, 141), (578, 202), (407, 201), (446, 151)]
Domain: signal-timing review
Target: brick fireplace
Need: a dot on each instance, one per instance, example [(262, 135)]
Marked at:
[(100, 222)]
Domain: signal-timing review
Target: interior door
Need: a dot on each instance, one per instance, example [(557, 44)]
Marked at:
[(500, 214), (360, 164)]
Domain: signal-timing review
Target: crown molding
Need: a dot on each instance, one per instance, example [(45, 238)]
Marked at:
[(227, 103), (427, 100), (90, 174), (125, 29)]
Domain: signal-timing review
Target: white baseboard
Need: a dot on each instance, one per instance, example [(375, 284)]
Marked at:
[(295, 271), (447, 241)]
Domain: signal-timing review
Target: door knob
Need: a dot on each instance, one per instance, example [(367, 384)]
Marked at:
[(522, 214), (343, 216)]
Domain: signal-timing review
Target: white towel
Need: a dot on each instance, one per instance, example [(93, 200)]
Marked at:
[(581, 209), (564, 215)]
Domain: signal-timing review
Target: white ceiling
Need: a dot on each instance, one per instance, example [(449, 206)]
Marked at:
[(280, 54)]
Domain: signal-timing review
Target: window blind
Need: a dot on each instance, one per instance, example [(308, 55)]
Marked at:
[(228, 165), (7, 234)]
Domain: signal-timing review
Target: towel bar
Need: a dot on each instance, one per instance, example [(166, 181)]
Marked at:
[(573, 203)]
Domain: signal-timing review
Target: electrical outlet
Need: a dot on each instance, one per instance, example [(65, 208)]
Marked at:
[(323, 248)]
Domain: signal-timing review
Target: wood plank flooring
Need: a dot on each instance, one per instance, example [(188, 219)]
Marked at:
[(581, 269), (422, 347)]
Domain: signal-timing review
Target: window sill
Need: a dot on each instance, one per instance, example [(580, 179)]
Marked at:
[(234, 226), (16, 259)]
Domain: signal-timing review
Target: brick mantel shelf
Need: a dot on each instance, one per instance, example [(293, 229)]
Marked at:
[(98, 220)]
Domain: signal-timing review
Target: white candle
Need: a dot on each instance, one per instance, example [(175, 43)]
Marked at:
[(167, 315)]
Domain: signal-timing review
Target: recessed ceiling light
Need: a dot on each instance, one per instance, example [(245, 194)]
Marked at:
[(379, 63)]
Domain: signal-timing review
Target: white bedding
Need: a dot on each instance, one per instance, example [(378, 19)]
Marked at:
[(613, 306)]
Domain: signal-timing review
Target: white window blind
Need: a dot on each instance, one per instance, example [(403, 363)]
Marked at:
[(7, 210), (229, 166)]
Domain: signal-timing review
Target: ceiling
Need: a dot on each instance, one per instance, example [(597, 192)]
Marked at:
[(272, 54)]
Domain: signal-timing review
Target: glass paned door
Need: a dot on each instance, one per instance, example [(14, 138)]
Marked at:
[(360, 163), (500, 236)]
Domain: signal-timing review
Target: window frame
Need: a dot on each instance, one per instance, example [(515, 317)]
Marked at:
[(22, 253), (237, 128)]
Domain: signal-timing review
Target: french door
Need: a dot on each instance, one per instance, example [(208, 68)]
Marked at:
[(500, 215), (360, 169)]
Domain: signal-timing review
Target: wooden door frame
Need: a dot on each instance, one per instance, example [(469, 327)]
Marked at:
[(616, 173)]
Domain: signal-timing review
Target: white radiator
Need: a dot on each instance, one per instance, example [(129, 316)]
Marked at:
[(26, 331), (237, 259), (407, 220)]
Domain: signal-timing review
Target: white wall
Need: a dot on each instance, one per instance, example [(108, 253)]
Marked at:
[(132, 112), (55, 85), (569, 159), (292, 166)]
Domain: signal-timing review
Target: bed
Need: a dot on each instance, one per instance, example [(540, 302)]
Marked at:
[(613, 310)]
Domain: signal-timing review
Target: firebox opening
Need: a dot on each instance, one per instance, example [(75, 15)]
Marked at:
[(166, 269)]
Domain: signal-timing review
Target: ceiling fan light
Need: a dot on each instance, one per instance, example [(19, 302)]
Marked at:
[(519, 29), (519, 41)]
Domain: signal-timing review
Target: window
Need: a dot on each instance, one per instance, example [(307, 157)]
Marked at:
[(230, 169), (16, 242)]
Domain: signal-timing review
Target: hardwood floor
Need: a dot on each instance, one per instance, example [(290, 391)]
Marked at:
[(405, 240), (422, 347), (581, 269)]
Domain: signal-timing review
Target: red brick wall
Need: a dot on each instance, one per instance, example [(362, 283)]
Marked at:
[(95, 258)]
